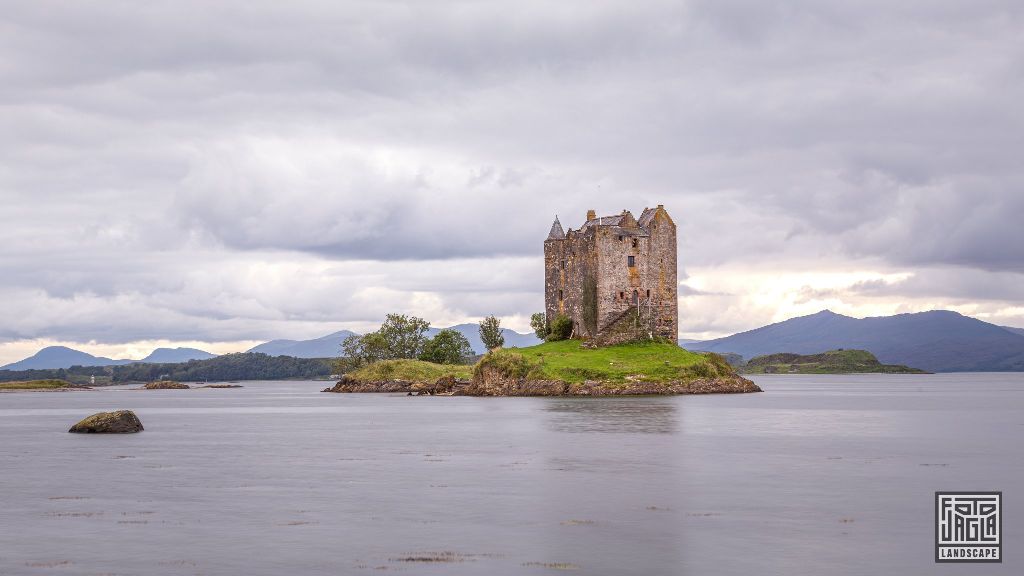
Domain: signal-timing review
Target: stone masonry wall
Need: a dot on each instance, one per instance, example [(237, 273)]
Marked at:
[(570, 265)]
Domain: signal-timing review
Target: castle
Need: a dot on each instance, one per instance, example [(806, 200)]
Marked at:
[(615, 277)]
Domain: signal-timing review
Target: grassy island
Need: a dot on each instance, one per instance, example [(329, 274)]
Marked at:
[(562, 368), (35, 385), (570, 361), (831, 362)]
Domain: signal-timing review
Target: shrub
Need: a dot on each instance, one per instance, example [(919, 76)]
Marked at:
[(447, 347), (561, 328), (510, 363)]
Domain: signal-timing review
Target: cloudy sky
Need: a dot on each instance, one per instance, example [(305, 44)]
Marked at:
[(217, 174)]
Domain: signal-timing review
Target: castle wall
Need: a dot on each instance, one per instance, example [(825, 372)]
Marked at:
[(616, 281), (662, 276), (570, 267)]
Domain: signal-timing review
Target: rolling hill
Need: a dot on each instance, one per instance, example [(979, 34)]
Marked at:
[(61, 357), (53, 357), (175, 355), (937, 341), (328, 346)]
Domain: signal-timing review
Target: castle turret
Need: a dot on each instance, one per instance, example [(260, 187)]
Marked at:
[(556, 231)]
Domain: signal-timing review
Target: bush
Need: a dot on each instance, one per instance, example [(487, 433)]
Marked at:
[(561, 328), (447, 347), (510, 363)]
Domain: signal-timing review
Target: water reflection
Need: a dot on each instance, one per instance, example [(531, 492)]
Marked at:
[(612, 415)]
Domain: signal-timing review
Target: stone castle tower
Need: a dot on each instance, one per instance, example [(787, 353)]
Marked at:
[(615, 277)]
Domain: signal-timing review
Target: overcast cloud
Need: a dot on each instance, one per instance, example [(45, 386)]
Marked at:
[(227, 172)]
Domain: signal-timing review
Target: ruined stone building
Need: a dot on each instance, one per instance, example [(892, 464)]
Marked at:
[(615, 277)]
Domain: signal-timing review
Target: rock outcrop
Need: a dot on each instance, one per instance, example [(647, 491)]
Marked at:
[(444, 386), (165, 385), (349, 384), (119, 422)]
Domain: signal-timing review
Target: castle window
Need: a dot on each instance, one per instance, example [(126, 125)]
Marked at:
[(563, 264), (622, 295), (636, 298), (620, 238), (559, 294), (631, 261), (648, 292), (635, 242)]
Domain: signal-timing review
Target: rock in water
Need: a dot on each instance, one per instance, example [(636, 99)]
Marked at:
[(119, 422)]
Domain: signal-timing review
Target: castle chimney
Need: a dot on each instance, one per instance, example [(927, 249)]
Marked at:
[(591, 214)]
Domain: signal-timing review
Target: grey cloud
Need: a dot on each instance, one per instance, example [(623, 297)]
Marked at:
[(137, 137)]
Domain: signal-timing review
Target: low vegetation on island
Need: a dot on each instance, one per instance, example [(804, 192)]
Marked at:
[(228, 367), (49, 384), (394, 359), (832, 362), (165, 385)]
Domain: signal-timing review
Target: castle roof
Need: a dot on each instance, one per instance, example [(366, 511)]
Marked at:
[(622, 224), (556, 231)]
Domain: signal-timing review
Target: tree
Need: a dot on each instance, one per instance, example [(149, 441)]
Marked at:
[(561, 328), (361, 350), (404, 336), (447, 347), (539, 323), (490, 333)]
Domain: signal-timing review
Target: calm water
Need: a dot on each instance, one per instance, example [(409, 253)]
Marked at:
[(830, 475)]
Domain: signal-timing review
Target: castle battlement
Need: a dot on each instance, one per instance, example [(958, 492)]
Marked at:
[(615, 277)]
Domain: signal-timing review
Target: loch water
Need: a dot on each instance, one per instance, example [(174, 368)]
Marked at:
[(816, 475)]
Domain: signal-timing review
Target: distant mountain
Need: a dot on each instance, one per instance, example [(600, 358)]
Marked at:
[(1014, 330), (176, 355), (937, 341), (472, 333), (324, 347), (61, 357)]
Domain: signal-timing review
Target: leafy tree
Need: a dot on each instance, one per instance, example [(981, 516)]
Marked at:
[(539, 324), (447, 347), (404, 336), (400, 336), (490, 333), (561, 328), (360, 350)]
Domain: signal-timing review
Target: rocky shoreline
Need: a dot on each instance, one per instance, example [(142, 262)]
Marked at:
[(492, 383)]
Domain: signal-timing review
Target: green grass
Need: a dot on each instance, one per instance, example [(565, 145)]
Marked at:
[(35, 385), (569, 361), (831, 362), (409, 371)]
